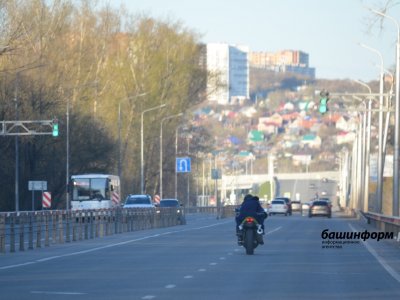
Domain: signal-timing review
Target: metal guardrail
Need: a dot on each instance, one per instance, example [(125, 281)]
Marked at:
[(383, 222), (29, 230)]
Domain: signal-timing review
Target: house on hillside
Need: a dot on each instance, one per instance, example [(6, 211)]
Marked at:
[(270, 125), (345, 137), (301, 159), (311, 140), (255, 136), (346, 124)]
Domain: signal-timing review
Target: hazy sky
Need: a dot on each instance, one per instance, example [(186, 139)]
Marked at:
[(328, 30)]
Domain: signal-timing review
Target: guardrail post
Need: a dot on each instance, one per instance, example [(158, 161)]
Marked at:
[(53, 226), (74, 224), (12, 233), (30, 243), (46, 216), (92, 221), (67, 224), (2, 233), (60, 227), (21, 232), (39, 231), (80, 226), (86, 220)]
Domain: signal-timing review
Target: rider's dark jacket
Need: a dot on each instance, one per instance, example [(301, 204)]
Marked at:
[(251, 207)]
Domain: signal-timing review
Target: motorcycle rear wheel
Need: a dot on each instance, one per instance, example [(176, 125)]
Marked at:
[(249, 242)]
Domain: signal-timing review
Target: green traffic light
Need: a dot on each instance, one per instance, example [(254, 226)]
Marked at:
[(323, 105), (55, 129)]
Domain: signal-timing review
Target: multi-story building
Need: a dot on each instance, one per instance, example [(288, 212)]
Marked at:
[(228, 68), (283, 61)]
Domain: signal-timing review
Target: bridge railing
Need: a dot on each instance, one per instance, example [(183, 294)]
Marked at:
[(383, 222), (20, 231)]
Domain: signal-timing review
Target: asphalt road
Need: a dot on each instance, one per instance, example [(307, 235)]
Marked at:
[(201, 260), (307, 188)]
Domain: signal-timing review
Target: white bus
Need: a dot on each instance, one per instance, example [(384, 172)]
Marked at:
[(95, 191)]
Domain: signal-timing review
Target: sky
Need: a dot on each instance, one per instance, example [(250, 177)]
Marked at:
[(330, 31)]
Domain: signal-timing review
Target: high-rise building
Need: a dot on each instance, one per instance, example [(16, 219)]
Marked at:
[(228, 73), (293, 61)]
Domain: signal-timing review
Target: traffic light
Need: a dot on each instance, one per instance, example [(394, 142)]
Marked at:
[(323, 101), (55, 127)]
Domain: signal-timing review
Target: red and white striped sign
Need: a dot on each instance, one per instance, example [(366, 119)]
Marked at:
[(46, 200), (157, 199), (115, 198)]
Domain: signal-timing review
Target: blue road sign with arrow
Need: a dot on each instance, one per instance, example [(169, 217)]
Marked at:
[(183, 165)]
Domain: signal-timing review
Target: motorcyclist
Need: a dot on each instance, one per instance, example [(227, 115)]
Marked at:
[(250, 207)]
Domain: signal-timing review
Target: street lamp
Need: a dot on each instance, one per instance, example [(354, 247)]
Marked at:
[(161, 150), (119, 130), (380, 134), (397, 118), (366, 150), (141, 146)]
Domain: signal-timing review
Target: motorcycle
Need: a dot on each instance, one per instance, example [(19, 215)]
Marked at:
[(251, 232)]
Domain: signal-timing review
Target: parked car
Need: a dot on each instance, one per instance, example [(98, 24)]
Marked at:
[(288, 203), (138, 201), (320, 208), (278, 206), (296, 205), (174, 203)]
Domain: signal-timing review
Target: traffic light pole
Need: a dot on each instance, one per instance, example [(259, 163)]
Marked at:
[(18, 128)]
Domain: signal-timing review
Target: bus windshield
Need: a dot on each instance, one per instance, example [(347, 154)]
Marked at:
[(90, 189)]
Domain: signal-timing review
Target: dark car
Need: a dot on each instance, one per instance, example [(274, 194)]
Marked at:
[(288, 203), (320, 208), (169, 203)]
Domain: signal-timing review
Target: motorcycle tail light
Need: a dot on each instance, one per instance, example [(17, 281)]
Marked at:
[(249, 219)]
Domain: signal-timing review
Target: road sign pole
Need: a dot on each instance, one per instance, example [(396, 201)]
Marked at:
[(33, 201)]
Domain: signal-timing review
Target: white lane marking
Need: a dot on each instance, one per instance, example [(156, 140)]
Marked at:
[(148, 297), (383, 263), (273, 230), (18, 265), (57, 293), (201, 270), (170, 286), (110, 246), (213, 264), (222, 258), (230, 253), (188, 277), (47, 258)]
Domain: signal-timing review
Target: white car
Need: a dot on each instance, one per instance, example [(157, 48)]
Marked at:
[(305, 207), (278, 207), (138, 201)]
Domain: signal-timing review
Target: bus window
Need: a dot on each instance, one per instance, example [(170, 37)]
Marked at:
[(81, 189), (98, 187)]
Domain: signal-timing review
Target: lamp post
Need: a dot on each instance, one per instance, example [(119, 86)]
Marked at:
[(379, 189), (366, 149), (141, 146), (119, 131), (397, 118), (161, 150)]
